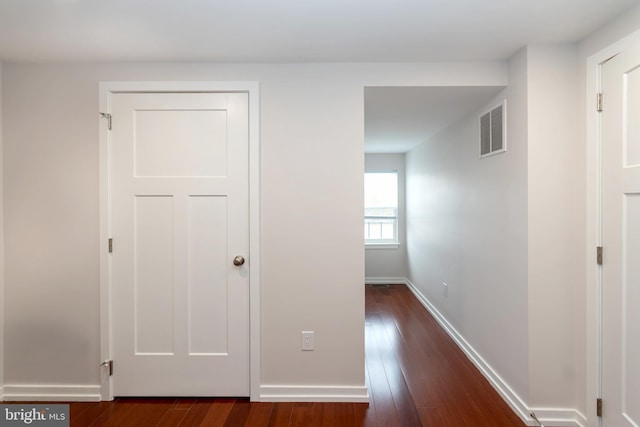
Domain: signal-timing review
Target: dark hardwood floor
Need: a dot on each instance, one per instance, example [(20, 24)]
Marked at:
[(416, 375)]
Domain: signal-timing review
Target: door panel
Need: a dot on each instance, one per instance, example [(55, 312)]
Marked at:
[(179, 183), (153, 281), (630, 312), (208, 259), (201, 152), (631, 118), (621, 240)]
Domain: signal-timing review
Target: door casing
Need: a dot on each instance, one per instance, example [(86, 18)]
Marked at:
[(105, 91)]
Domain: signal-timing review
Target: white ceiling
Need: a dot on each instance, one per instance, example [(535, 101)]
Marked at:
[(290, 30), (399, 118), (307, 31)]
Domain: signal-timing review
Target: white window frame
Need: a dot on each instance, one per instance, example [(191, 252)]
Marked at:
[(385, 243)]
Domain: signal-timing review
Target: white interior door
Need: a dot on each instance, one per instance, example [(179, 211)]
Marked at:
[(179, 185), (621, 240)]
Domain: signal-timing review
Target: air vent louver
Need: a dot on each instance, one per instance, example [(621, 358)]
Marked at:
[(493, 131)]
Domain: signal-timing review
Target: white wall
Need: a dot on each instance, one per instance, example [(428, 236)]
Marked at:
[(609, 33), (467, 226), (556, 221), (388, 265), (311, 116), (2, 299), (506, 233)]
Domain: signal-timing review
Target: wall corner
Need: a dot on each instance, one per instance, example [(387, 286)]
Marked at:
[(2, 299), (555, 291)]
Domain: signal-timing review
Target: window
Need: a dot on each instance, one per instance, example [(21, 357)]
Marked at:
[(381, 208)]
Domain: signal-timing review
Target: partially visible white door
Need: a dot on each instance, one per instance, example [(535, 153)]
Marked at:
[(621, 240), (179, 183)]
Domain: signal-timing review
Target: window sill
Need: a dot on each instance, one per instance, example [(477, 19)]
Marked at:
[(381, 245)]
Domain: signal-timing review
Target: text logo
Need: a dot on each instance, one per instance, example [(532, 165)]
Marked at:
[(34, 415)]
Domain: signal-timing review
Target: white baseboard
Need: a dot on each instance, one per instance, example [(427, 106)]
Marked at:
[(559, 417), (51, 393), (268, 393), (294, 393), (385, 281)]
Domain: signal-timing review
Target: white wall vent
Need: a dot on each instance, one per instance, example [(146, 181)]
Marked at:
[(493, 130)]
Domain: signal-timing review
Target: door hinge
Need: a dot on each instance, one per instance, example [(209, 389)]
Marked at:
[(108, 117), (110, 245), (598, 103), (108, 364), (599, 407), (599, 255)]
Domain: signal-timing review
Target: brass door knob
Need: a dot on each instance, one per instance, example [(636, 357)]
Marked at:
[(238, 261)]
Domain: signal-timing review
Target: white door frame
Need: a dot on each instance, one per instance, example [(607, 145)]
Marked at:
[(594, 223), (252, 89)]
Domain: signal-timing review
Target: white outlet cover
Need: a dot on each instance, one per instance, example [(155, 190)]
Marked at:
[(307, 340)]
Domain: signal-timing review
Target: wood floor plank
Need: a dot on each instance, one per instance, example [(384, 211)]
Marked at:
[(334, 415), (259, 414), (380, 390), (324, 415), (78, 408), (84, 414), (238, 414), (184, 402), (172, 418), (302, 415), (151, 414), (431, 417), (120, 413), (218, 413), (344, 415), (197, 412), (402, 399), (281, 415), (365, 415)]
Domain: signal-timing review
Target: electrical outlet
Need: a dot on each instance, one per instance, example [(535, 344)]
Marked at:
[(445, 290), (307, 340)]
